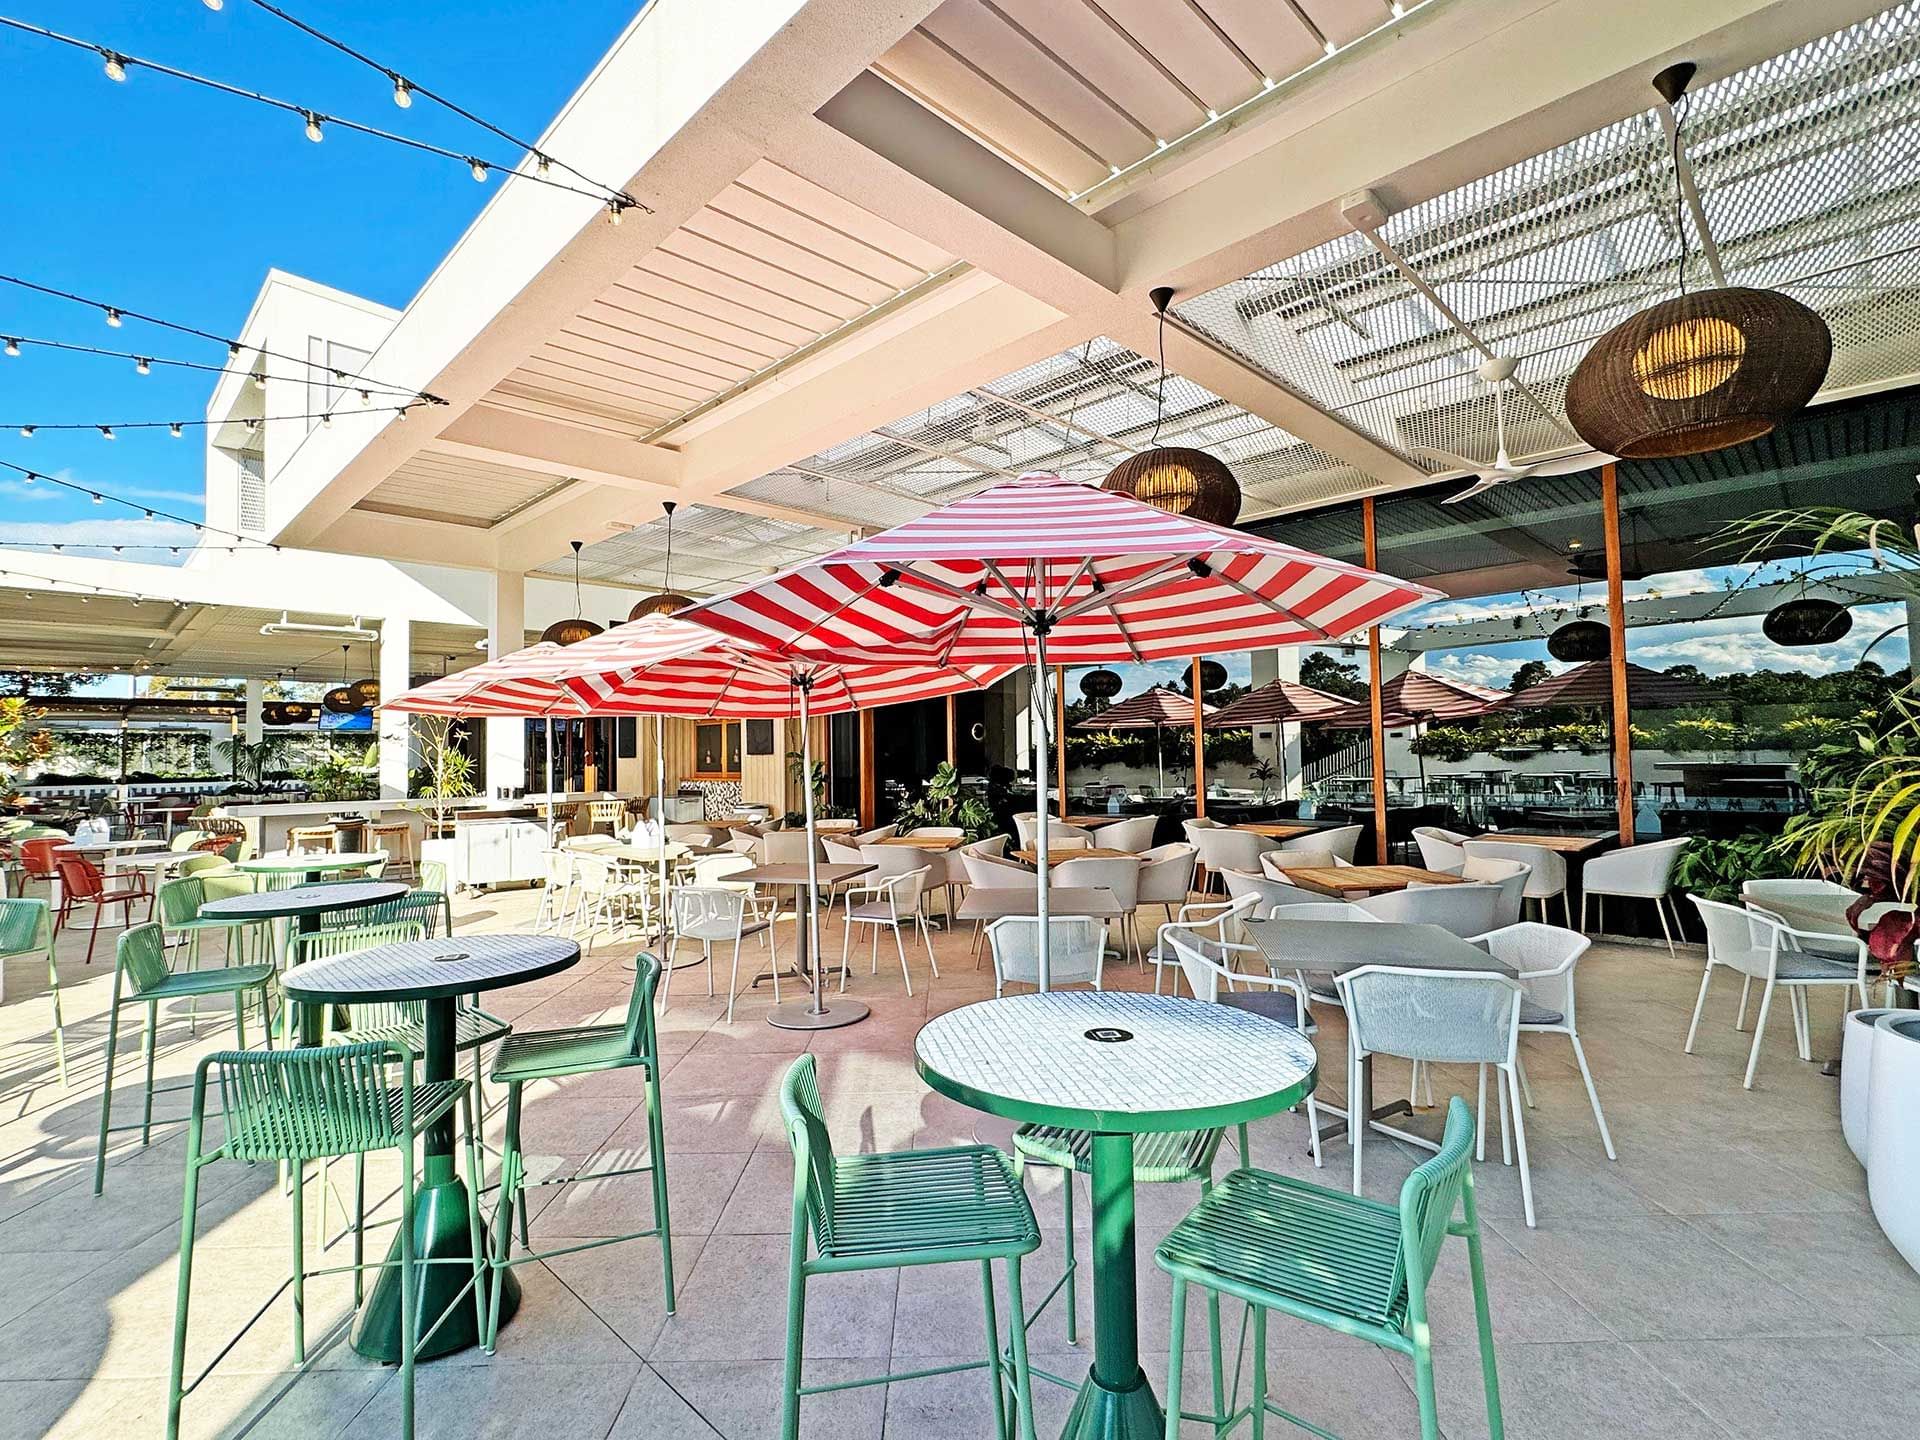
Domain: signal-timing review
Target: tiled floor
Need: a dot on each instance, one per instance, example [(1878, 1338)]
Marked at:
[(1723, 1278)]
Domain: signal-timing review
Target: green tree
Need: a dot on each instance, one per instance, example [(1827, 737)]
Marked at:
[(1325, 671), (1530, 675), (38, 682)]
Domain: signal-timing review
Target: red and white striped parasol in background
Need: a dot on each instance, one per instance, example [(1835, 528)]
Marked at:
[(1046, 571)]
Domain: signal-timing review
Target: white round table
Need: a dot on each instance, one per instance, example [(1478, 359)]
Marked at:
[(1116, 1064)]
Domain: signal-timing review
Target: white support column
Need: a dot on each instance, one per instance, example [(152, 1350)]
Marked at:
[(396, 729), (506, 633), (256, 689)]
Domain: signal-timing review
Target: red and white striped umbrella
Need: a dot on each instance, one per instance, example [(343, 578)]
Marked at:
[(1103, 576)]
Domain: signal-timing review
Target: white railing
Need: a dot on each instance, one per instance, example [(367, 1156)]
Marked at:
[(1350, 761)]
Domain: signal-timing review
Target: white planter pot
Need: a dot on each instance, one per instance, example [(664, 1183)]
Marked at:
[(1856, 1076), (448, 854), (1893, 1131)]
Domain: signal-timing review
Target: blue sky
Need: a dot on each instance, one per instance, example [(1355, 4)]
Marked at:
[(158, 196)]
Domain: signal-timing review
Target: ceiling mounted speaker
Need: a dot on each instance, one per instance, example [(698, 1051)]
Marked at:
[(1580, 640), (1807, 621), (664, 603), (569, 632), (1102, 684), (1212, 675), (1698, 373), (1180, 481), (339, 700)]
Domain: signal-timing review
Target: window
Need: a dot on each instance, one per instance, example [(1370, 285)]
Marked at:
[(629, 736), (716, 751)]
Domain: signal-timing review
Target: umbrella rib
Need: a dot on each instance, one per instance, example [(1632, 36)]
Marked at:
[(1273, 605), (1110, 597), (964, 596)]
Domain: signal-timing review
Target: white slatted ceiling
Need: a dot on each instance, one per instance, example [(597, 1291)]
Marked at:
[(459, 491)]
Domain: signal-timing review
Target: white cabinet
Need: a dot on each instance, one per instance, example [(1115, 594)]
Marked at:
[(500, 852)]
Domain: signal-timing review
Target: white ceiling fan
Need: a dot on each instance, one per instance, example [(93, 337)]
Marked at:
[(1497, 371)]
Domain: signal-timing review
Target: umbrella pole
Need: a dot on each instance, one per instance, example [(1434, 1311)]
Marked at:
[(549, 780), (1159, 765), (814, 1015), (1040, 713), (660, 788)]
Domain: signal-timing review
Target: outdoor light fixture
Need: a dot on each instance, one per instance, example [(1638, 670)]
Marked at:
[(1699, 372), (1580, 640), (572, 632), (1807, 621), (1176, 478), (669, 599), (1212, 675), (339, 700), (1101, 684), (366, 693)]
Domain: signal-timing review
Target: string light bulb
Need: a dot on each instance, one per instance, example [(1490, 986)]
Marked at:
[(259, 379), (116, 66), (96, 498), (113, 317), (26, 432), (478, 168), (175, 430), (214, 4), (142, 365), (13, 348), (314, 132), (614, 207), (106, 433), (402, 93)]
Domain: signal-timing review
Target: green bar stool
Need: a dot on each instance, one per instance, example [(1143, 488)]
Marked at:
[(906, 1207), (141, 977), (556, 1054), (1336, 1260), (26, 928), (431, 909), (318, 1103)]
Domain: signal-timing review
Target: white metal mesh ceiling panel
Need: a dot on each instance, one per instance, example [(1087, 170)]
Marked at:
[(1806, 163), (712, 550)]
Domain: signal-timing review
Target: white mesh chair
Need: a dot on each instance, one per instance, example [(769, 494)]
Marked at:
[(987, 872), (879, 832), (1815, 908), (943, 871), (1548, 870), (1076, 951), (839, 852), (712, 915), (1449, 1017), (1222, 848), (1267, 892), (882, 904), (1119, 874), (1439, 847), (604, 900), (1763, 947), (1166, 876), (1509, 875), (1545, 957), (1134, 833), (1339, 843), (1459, 909), (1276, 863), (1636, 872), (1205, 965), (1215, 920), (788, 847), (1060, 835), (1199, 822)]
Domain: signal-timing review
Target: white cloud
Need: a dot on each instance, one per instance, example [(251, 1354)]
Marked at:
[(1720, 647), (1478, 667), (97, 537)]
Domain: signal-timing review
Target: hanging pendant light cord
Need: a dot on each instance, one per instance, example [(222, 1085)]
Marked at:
[(1679, 195), (1160, 396)]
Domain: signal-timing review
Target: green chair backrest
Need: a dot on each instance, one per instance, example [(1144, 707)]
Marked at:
[(23, 926), (180, 900), (642, 1040), (302, 1104), (423, 906), (41, 832), (325, 944), (201, 865), (225, 884), (433, 875), (813, 1161), (141, 954), (185, 839), (1430, 1196)]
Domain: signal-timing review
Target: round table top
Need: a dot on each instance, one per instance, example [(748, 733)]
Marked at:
[(1115, 1061), (304, 900), (281, 862), (430, 969)]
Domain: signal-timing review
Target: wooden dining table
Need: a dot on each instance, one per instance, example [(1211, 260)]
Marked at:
[(940, 843), (1562, 844), (1373, 879), (1086, 852), (1281, 829)]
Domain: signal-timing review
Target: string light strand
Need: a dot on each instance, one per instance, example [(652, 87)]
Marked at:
[(179, 427), (118, 62), (101, 497), (12, 345)]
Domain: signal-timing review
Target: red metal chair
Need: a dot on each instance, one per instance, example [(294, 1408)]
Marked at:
[(82, 884), (37, 858)]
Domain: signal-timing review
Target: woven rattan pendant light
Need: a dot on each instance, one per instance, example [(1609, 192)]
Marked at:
[(1703, 371), (339, 700), (572, 632), (669, 599), (1176, 478)]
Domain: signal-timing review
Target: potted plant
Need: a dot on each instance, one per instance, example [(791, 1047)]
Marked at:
[(1262, 770), (446, 773), (943, 802)]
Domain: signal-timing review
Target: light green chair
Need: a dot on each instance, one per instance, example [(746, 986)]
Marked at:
[(141, 977), (433, 876), (204, 864), (186, 839), (905, 1207), (27, 929), (182, 900), (430, 908), (557, 1054), (319, 1103), (1336, 1260)]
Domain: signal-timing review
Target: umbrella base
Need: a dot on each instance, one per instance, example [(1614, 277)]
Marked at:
[(800, 1015)]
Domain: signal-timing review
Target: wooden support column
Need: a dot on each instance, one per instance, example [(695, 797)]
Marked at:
[(1382, 852), (1060, 733), (869, 785), (953, 748), (1617, 656), (1199, 751)]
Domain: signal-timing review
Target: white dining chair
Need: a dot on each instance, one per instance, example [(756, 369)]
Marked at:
[(1544, 957), (1440, 847), (1166, 876), (1276, 863), (1463, 910), (989, 872), (879, 832), (1548, 870), (1340, 842), (1759, 946), (883, 903), (712, 915), (1510, 876), (1267, 891), (788, 847), (1633, 872), (1223, 848), (1215, 919), (1448, 1017), (1076, 951), (942, 869), (839, 852), (1118, 874), (1134, 834)]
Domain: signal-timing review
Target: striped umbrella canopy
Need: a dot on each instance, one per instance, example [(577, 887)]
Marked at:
[(1149, 710), (1592, 684), (1276, 703), (1047, 571), (1415, 697)]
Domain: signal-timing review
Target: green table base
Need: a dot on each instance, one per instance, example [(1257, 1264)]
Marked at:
[(1101, 1413), (440, 1232)]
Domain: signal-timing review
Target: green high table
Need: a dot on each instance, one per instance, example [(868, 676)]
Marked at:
[(1117, 1065), (311, 867), (438, 973)]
